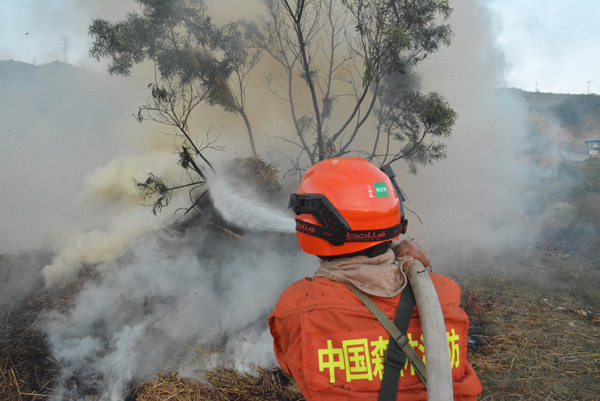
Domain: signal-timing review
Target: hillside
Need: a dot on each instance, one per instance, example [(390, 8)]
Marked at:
[(566, 120), (567, 190)]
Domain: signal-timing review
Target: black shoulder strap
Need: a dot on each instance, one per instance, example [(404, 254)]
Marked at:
[(394, 357), (392, 360)]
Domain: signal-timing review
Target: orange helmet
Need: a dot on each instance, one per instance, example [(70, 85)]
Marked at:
[(345, 205)]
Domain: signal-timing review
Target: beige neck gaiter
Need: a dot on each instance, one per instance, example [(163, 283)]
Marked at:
[(382, 276)]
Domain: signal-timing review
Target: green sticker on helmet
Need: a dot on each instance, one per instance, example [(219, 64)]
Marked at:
[(381, 190)]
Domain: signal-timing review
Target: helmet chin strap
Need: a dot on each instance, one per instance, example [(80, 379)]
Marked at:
[(334, 228)]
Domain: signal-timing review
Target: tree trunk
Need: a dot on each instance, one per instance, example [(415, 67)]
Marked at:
[(249, 129)]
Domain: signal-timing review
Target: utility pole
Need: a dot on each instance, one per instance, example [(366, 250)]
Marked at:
[(589, 87)]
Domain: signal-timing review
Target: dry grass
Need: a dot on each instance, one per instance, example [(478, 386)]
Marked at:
[(27, 372), (255, 172), (537, 346), (222, 385)]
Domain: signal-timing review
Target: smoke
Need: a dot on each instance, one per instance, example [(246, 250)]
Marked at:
[(20, 273), (481, 197), (164, 306), (60, 123), (113, 185), (478, 196), (162, 299)]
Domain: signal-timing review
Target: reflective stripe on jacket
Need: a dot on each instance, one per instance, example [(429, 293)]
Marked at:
[(334, 347)]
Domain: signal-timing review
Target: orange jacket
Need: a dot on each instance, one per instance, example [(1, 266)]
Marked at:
[(334, 347)]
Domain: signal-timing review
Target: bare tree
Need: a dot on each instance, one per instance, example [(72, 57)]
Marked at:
[(349, 49), (171, 105)]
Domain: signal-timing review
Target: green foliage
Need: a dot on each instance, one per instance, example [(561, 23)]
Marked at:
[(580, 114), (396, 33), (154, 187), (187, 49), (395, 43), (573, 181), (437, 116), (574, 110), (416, 120), (577, 184), (167, 32), (181, 39), (311, 40)]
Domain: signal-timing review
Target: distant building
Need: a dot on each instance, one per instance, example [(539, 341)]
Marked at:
[(593, 146)]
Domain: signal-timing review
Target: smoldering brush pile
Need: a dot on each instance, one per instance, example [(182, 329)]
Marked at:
[(26, 369), (222, 385)]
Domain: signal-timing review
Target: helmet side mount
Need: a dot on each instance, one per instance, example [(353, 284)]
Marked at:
[(389, 171), (334, 227)]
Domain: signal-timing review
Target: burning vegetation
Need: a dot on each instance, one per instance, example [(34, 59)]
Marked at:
[(534, 326), (532, 336)]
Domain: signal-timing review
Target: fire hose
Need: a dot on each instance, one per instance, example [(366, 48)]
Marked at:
[(439, 371), (436, 375)]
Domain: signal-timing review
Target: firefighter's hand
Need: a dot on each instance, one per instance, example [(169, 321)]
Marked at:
[(414, 249)]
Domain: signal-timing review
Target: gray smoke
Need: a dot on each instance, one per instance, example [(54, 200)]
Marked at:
[(165, 304), (58, 124)]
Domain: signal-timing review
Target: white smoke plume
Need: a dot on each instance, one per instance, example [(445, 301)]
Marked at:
[(170, 296), (477, 197), (59, 123)]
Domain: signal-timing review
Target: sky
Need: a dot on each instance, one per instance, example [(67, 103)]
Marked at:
[(548, 45)]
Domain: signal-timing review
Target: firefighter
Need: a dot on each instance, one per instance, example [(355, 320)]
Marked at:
[(347, 214)]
